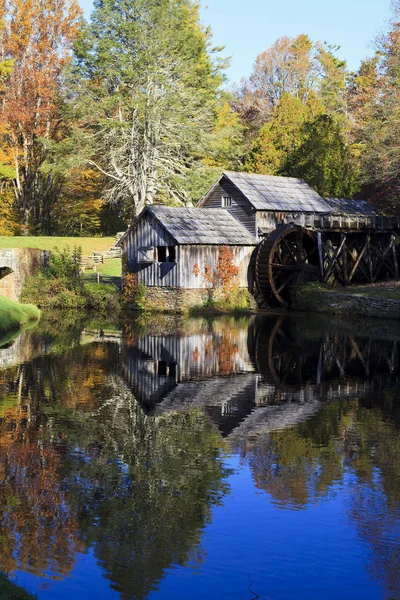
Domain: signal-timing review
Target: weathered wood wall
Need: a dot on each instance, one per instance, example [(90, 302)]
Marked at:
[(241, 208), (190, 256), (149, 233)]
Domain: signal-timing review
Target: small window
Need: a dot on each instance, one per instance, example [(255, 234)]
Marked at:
[(226, 201), (146, 255), (162, 253), (166, 254), (171, 254)]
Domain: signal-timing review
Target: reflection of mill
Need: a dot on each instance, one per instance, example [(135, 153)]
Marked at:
[(335, 365), (272, 373)]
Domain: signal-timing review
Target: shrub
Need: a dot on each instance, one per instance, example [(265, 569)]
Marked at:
[(134, 292), (60, 285)]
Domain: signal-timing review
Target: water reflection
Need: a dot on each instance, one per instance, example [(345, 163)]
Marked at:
[(115, 440), (284, 367)]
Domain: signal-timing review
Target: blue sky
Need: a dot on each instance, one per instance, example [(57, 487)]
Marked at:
[(248, 27)]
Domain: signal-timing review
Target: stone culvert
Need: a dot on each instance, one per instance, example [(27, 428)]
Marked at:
[(16, 264)]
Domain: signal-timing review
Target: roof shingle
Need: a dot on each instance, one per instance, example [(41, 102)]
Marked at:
[(202, 225), (351, 207), (270, 192)]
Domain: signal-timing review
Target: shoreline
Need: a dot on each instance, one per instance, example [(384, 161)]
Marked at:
[(13, 315), (381, 300)]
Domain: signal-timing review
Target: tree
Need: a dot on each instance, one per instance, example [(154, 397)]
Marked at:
[(324, 159), (36, 37), (297, 67), (147, 93), (379, 126), (280, 136)]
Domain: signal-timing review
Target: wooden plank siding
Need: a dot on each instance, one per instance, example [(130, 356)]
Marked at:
[(208, 255), (241, 208), (180, 274), (149, 233)]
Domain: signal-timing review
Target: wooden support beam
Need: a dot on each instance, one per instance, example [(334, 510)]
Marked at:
[(395, 261), (320, 254), (382, 260), (356, 264), (344, 264), (369, 260), (334, 258)]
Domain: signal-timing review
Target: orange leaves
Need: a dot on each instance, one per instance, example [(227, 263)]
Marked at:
[(38, 36), (226, 271)]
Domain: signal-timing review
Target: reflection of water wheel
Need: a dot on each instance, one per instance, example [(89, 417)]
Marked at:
[(284, 359), (281, 259)]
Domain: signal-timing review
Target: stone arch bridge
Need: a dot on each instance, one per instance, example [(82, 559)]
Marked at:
[(16, 264)]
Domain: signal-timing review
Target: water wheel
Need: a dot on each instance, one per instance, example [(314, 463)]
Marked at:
[(282, 259)]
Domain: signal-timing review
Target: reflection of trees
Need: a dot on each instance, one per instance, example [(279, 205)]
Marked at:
[(78, 455), (38, 530), (143, 488), (345, 439)]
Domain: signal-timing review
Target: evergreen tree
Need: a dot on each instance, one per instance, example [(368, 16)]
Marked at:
[(323, 159), (147, 93)]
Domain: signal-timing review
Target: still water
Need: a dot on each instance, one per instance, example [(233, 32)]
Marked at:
[(189, 459)]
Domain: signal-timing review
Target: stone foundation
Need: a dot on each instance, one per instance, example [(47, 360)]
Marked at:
[(16, 264), (178, 300)]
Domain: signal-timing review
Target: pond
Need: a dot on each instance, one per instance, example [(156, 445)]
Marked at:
[(256, 457)]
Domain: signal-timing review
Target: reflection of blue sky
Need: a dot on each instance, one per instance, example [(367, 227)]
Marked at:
[(309, 554), (248, 28), (86, 581)]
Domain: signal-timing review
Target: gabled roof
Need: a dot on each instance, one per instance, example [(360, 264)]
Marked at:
[(270, 192), (210, 226), (351, 207)]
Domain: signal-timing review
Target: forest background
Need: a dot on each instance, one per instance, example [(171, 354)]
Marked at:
[(99, 118)]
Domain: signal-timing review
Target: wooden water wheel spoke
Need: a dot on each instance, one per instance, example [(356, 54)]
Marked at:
[(284, 284), (281, 259), (289, 249), (285, 267)]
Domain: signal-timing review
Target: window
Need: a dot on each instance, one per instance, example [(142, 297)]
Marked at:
[(146, 255), (166, 254), (171, 254), (226, 201), (161, 253)]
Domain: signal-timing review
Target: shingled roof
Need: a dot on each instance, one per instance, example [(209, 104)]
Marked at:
[(270, 192), (351, 207), (202, 225)]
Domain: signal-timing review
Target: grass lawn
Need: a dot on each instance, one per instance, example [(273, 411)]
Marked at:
[(88, 244), (111, 271), (11, 591), (14, 315)]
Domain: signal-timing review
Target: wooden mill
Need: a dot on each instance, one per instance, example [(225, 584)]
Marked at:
[(279, 230), (338, 249)]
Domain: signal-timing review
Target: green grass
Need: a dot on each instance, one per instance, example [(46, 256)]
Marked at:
[(88, 244), (14, 315), (11, 591), (111, 270)]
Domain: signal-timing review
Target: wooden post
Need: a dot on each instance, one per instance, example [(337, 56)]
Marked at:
[(344, 263), (355, 266), (396, 264), (320, 254), (369, 259), (335, 258), (383, 257)]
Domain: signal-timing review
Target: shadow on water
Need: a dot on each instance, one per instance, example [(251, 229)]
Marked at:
[(114, 440)]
